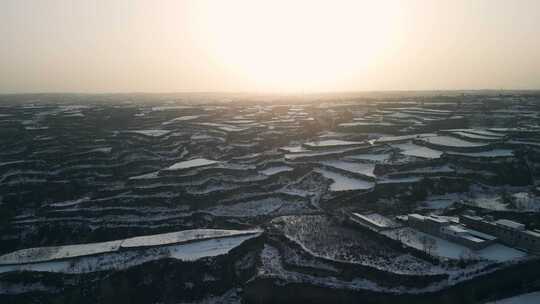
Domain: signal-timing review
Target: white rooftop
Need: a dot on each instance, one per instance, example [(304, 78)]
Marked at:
[(481, 235), (533, 233), (416, 216), (457, 229), (510, 224)]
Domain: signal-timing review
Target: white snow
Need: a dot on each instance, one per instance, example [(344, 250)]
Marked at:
[(377, 220), (151, 133), (150, 175), (197, 162), (407, 179), (209, 248), (68, 108), (224, 127), (332, 143), (74, 114), (294, 149), (180, 237), (526, 201), (490, 153), (71, 202), (294, 156), (522, 142), (275, 170), (411, 149), (412, 238), (251, 208), (478, 132), (492, 201), (181, 118), (13, 162), (240, 121), (361, 123), (439, 202), (447, 249), (41, 254), (448, 141), (476, 136), (389, 139), (500, 253), (201, 137), (84, 258), (362, 168), (433, 169), (371, 157), (422, 110), (165, 108), (36, 128), (344, 183), (101, 150), (527, 298)]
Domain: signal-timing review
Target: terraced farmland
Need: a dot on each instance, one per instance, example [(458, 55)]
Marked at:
[(112, 176)]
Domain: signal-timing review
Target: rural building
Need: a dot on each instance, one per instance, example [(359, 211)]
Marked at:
[(509, 232), (374, 221), (451, 230)]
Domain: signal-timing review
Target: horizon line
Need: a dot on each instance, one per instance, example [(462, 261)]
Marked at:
[(267, 92)]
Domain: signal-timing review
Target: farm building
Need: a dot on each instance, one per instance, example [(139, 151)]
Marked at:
[(451, 230), (509, 232)]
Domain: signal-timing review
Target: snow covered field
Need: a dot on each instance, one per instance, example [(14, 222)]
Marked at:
[(377, 220), (321, 237), (344, 183), (362, 168), (527, 298), (181, 237), (330, 143), (438, 202), (451, 250), (362, 124), (448, 141), (333, 152), (474, 136), (267, 206), (393, 139), (198, 162), (224, 127), (181, 118), (294, 149), (371, 157), (275, 170), (411, 149), (150, 175), (489, 153), (127, 170), (479, 132), (47, 254), (42, 254), (117, 260), (151, 133), (518, 201)]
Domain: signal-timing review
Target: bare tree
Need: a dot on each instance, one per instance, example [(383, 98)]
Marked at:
[(429, 245), (423, 241)]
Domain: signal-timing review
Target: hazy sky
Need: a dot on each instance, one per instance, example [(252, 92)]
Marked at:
[(271, 46)]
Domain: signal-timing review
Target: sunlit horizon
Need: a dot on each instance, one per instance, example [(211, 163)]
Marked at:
[(268, 46)]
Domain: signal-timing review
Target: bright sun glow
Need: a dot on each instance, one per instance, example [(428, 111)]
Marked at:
[(297, 45)]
